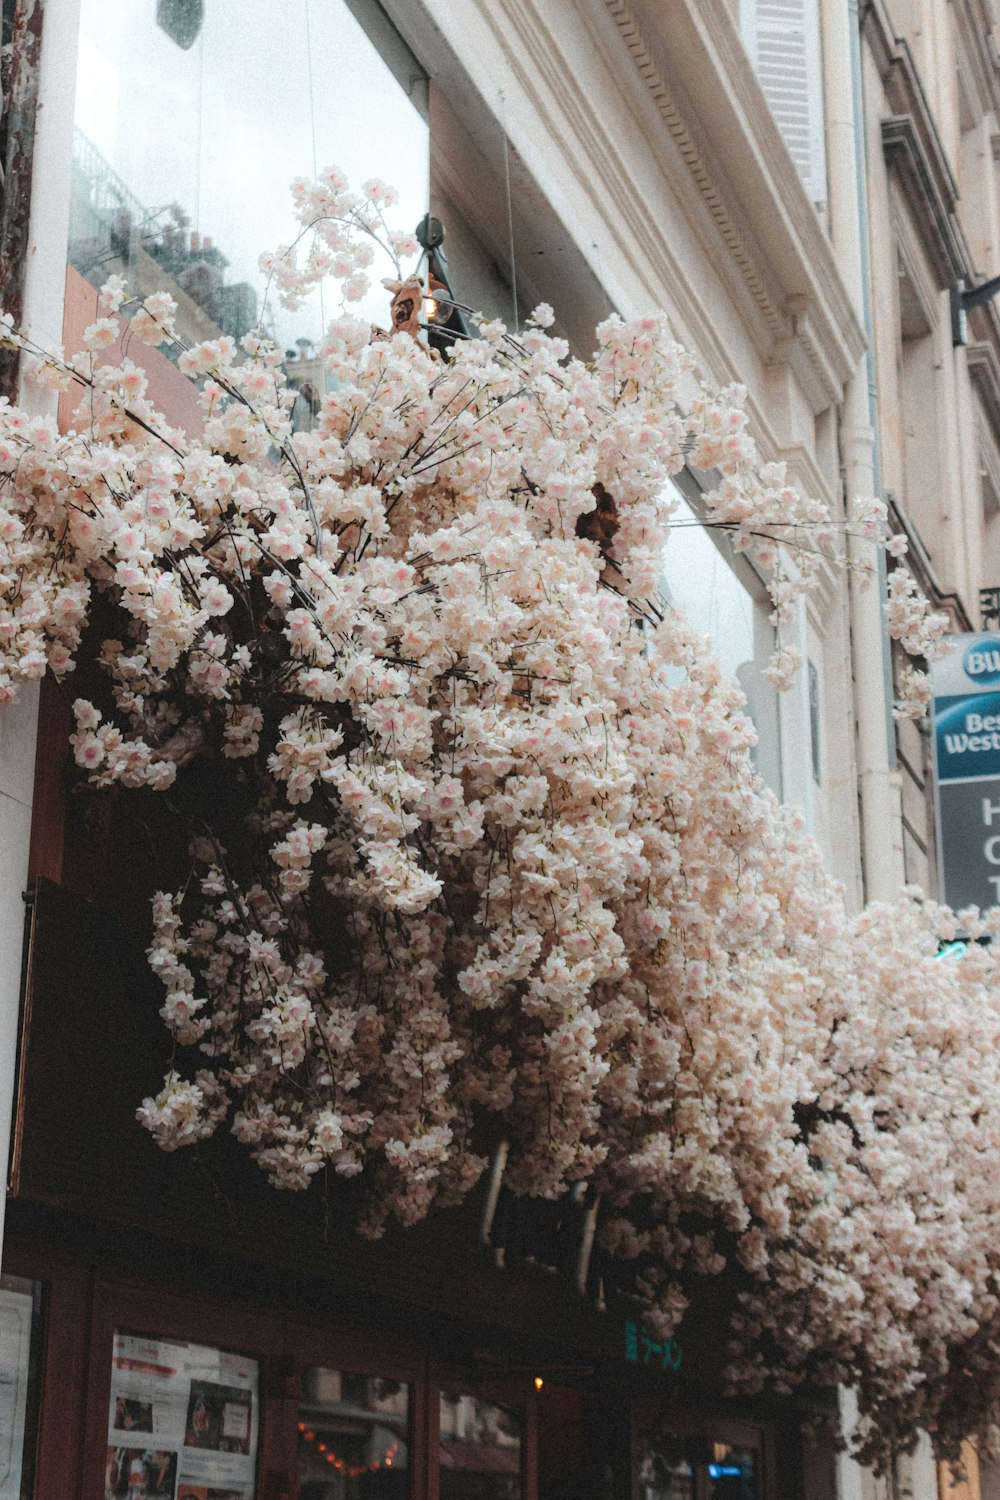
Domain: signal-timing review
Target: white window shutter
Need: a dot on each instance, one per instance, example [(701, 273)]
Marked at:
[(782, 38)]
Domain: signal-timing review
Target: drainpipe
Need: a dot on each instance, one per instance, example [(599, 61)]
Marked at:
[(878, 779)]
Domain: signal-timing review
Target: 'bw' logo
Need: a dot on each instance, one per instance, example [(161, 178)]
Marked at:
[(982, 661)]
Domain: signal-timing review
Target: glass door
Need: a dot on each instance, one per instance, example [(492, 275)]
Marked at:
[(685, 1456)]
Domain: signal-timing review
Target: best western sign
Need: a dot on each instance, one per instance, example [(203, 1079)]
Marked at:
[(967, 769)]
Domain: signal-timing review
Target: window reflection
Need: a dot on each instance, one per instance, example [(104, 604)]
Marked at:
[(192, 120), (480, 1449), (666, 1470), (721, 596), (353, 1437), (677, 1466), (732, 1473)]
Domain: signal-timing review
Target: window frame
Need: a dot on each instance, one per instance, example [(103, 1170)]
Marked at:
[(169, 1313), (692, 485), (77, 1374), (357, 1352), (516, 1392), (63, 1363), (708, 1423)]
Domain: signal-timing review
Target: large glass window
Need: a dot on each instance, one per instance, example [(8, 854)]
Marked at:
[(192, 120), (354, 1435), (721, 596)]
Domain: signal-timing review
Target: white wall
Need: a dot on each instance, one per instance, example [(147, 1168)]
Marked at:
[(44, 282)]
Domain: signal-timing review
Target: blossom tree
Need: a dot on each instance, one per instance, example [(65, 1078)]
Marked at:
[(496, 860)]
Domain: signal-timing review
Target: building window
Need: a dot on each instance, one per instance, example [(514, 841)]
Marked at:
[(21, 1303), (782, 38), (191, 122), (691, 1459), (481, 1447), (721, 595), (814, 722)]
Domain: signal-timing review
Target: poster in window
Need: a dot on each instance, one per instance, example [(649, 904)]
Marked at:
[(182, 1423), (15, 1346)]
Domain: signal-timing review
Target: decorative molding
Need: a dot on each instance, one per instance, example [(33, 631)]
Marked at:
[(815, 325), (916, 156), (804, 348), (646, 168), (911, 140), (932, 212), (624, 202), (978, 60), (674, 122), (983, 360)]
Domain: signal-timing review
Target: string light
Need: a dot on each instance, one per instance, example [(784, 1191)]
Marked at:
[(352, 1471)]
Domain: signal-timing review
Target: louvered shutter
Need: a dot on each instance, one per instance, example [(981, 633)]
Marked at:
[(782, 38)]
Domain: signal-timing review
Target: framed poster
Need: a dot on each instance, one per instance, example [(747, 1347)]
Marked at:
[(183, 1420)]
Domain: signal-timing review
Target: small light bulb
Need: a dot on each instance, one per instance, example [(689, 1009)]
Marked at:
[(432, 308), (539, 1382)]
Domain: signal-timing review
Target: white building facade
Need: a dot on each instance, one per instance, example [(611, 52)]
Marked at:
[(782, 179)]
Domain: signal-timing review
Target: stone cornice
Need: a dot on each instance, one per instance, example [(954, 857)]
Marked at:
[(976, 32), (914, 147), (623, 161), (917, 159), (694, 160), (687, 52), (729, 244), (932, 212), (984, 371)]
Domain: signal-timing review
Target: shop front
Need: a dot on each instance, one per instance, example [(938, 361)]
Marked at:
[(173, 1327), (133, 1386), (169, 1325)]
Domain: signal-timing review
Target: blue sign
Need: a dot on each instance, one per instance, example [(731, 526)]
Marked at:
[(966, 683), (970, 665), (981, 662), (967, 736)]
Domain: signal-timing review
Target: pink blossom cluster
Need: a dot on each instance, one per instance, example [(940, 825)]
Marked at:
[(500, 860), (918, 629)]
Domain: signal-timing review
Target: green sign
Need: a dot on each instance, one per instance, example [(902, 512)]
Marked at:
[(642, 1349)]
